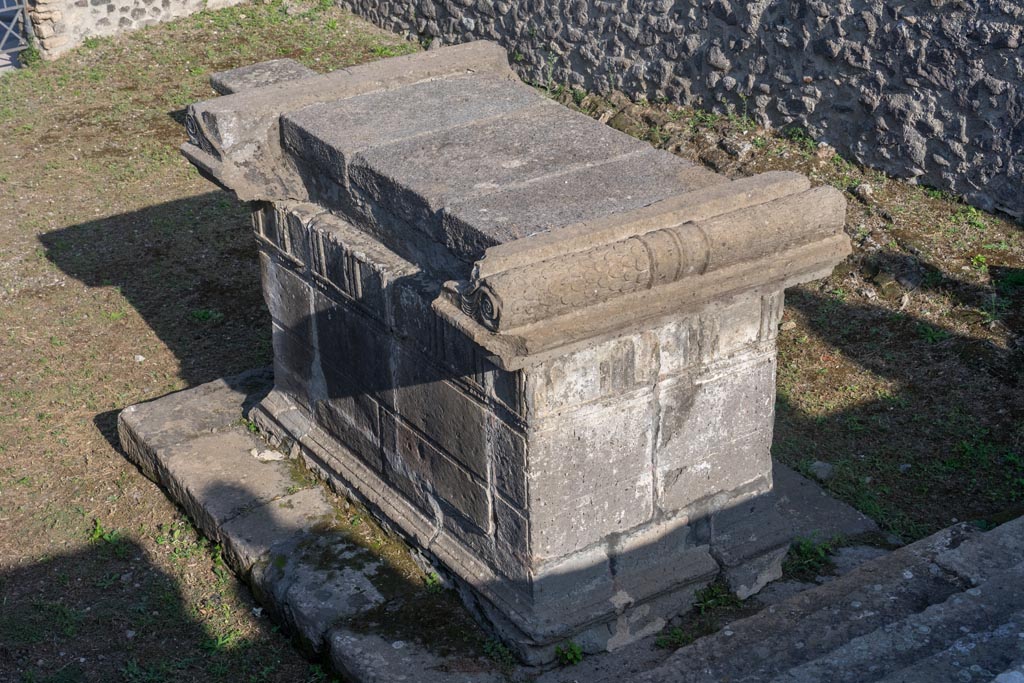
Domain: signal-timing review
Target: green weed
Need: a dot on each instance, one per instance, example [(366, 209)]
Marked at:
[(433, 583), (808, 558), (206, 315), (569, 654), (715, 596), (804, 141), (674, 638), (496, 651), (970, 216), (932, 335), (222, 641)]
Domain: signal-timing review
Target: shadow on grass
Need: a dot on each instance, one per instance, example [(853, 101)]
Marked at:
[(108, 613), (189, 269), (945, 443)]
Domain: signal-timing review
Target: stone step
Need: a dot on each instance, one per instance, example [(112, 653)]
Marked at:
[(951, 600), (978, 655), (975, 560), (814, 623), (966, 617)]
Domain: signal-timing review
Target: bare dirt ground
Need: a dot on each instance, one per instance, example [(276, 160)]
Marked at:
[(124, 276)]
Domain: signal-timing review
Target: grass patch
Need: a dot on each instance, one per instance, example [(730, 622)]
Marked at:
[(714, 606), (808, 559)]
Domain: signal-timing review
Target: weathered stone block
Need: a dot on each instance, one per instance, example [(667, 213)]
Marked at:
[(329, 135), (577, 494), (732, 328), (711, 434), (649, 560), (583, 577), (354, 349), (584, 193), (354, 419), (430, 477), (294, 364), (610, 369), (507, 452), (287, 296), (421, 176), (259, 75), (426, 398)]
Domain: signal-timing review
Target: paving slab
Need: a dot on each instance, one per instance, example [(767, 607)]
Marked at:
[(371, 658), (250, 537), (313, 581), (811, 511), (216, 477), (174, 419)]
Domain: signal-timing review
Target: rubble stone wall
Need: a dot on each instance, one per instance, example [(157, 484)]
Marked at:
[(61, 25), (929, 90)]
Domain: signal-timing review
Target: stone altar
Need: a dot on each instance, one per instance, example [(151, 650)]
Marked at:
[(541, 349)]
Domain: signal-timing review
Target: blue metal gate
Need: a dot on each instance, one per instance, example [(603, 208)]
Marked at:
[(14, 26)]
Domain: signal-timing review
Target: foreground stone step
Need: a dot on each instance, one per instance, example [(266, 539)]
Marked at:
[(994, 551), (945, 608), (816, 622), (963, 622), (978, 655), (365, 611), (1014, 674)]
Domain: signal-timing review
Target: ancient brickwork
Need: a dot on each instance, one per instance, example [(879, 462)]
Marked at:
[(929, 90)]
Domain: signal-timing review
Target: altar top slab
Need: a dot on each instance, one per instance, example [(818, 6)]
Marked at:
[(471, 158), (477, 160)]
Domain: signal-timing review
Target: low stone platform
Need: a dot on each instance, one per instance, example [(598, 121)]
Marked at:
[(283, 533)]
